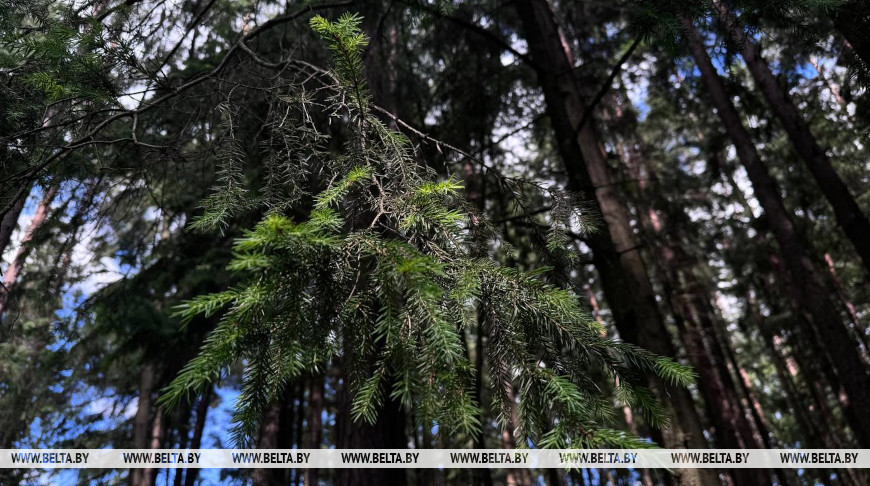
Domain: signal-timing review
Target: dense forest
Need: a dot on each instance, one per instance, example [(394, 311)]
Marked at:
[(435, 224)]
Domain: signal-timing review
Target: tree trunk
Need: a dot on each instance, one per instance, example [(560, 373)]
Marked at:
[(201, 414), (849, 215), (482, 477), (805, 348), (10, 222), (616, 253), (149, 475), (811, 415), (841, 349), (515, 477), (810, 433), (697, 327), (142, 419), (315, 424), (14, 269), (387, 433), (298, 431), (270, 430), (689, 301)]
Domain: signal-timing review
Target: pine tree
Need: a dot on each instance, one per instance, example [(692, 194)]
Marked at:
[(378, 275)]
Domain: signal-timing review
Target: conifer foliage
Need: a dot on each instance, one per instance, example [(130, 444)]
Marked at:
[(374, 273)]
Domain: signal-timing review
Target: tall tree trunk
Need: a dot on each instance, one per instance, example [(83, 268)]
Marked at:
[(142, 419), (515, 477), (149, 475), (298, 431), (315, 424), (482, 477), (814, 437), (387, 433), (689, 301), (849, 215), (689, 296), (271, 431), (820, 377), (806, 348), (785, 371), (14, 269), (616, 253), (645, 475), (841, 349), (697, 327), (201, 414)]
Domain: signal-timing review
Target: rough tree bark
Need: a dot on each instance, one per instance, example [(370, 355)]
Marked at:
[(841, 350)]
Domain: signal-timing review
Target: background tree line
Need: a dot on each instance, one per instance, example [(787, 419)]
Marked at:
[(434, 224)]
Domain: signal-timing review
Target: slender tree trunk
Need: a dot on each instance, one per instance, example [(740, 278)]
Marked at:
[(290, 429), (818, 412), (690, 296), (515, 477), (806, 349), (785, 371), (810, 433), (149, 475), (689, 301), (482, 477), (697, 326), (269, 437), (142, 419), (195, 443), (645, 476), (616, 252), (298, 430), (842, 350), (14, 269), (315, 424), (849, 215)]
